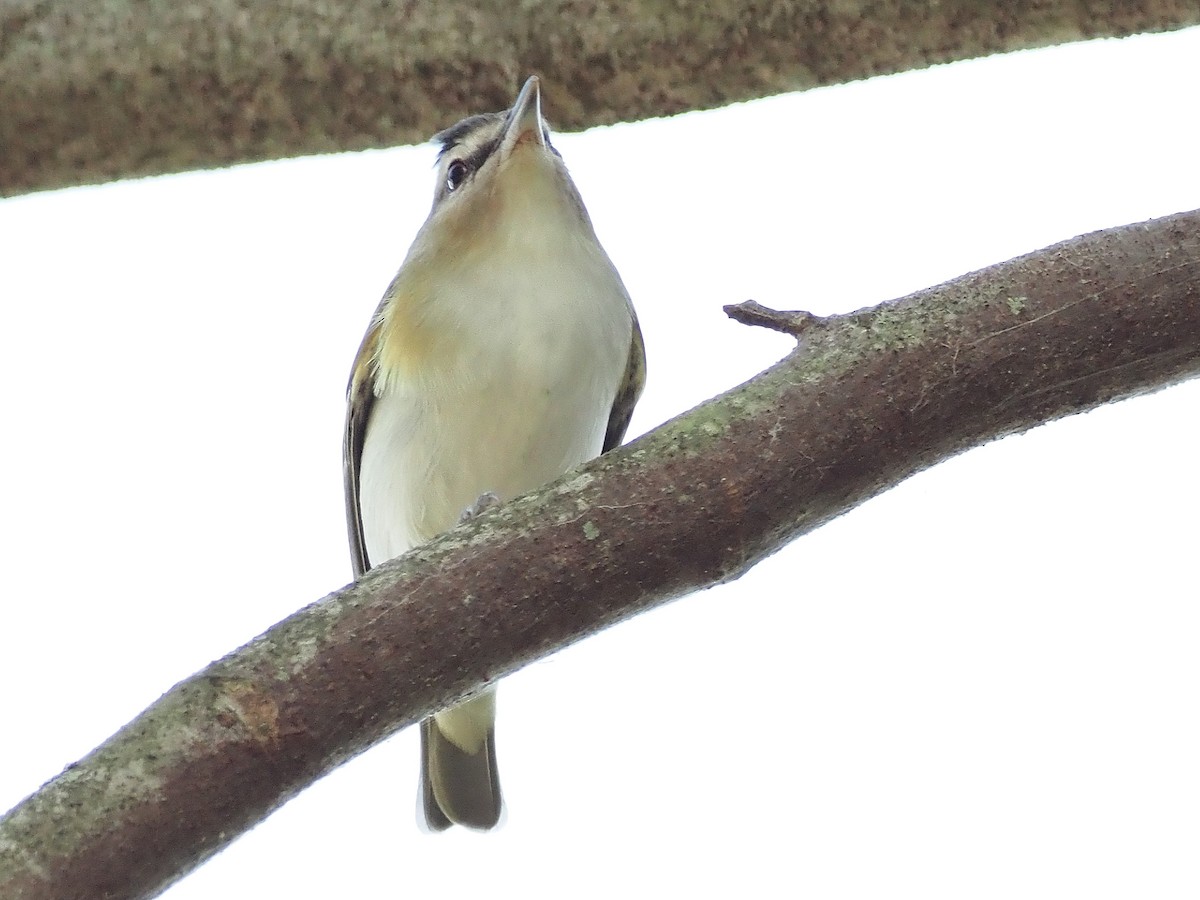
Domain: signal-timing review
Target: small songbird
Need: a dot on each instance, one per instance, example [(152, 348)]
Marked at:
[(505, 352)]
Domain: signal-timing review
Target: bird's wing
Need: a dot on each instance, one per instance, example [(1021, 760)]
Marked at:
[(360, 398), (628, 391)]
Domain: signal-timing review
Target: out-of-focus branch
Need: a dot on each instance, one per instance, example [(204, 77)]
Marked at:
[(863, 402), (121, 89)]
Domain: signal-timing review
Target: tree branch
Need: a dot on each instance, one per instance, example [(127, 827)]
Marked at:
[(793, 322), (866, 400), (129, 89)]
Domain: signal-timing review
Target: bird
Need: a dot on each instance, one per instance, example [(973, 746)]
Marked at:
[(505, 352)]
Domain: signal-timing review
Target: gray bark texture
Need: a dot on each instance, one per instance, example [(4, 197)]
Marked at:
[(864, 401), (95, 92)]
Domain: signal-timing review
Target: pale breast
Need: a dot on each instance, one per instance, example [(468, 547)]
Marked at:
[(519, 393)]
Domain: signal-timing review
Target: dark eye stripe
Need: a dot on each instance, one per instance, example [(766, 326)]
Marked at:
[(464, 167), (481, 154)]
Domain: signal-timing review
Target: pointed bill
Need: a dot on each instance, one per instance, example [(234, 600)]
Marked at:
[(524, 121)]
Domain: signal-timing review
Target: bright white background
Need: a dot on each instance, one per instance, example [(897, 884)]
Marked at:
[(983, 683)]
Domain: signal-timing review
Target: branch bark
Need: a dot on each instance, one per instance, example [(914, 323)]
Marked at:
[(128, 89), (864, 401)]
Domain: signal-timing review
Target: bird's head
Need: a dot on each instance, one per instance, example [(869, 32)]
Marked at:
[(500, 178)]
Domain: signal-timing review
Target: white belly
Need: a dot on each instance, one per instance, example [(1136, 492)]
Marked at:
[(525, 397)]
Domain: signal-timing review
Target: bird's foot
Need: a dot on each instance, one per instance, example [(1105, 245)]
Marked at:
[(485, 502)]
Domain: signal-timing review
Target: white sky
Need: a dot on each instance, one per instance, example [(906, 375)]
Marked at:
[(983, 683)]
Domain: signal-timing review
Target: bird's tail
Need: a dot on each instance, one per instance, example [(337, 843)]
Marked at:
[(460, 784)]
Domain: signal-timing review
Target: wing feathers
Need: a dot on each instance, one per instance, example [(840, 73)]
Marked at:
[(360, 398), (628, 392)]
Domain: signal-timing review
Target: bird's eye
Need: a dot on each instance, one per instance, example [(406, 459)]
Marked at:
[(456, 174)]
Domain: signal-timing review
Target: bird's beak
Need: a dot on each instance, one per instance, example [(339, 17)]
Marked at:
[(524, 122)]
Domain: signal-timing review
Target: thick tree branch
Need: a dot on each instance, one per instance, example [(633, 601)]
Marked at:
[(864, 401), (123, 89)]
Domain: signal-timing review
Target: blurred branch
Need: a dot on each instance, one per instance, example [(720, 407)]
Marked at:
[(865, 400), (123, 89)]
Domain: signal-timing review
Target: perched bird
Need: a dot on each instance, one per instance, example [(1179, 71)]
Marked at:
[(504, 352)]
